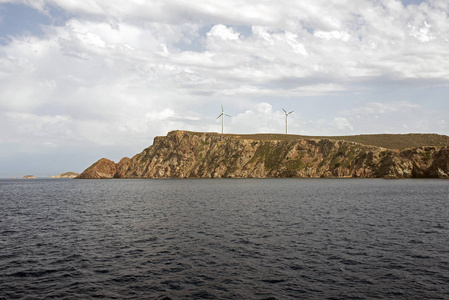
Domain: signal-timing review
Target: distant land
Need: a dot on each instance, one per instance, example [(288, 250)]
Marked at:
[(29, 177), (184, 154), (66, 175)]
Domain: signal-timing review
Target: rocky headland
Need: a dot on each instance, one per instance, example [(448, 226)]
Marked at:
[(29, 177), (183, 154)]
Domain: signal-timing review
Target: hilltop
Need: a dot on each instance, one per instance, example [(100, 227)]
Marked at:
[(389, 141), (183, 154)]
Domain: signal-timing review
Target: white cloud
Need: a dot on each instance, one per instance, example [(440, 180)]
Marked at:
[(342, 124), (223, 33), (422, 34), (36, 130), (141, 68), (332, 35), (376, 108), (261, 118), (396, 117)]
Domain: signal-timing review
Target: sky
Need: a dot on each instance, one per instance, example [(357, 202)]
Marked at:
[(82, 80)]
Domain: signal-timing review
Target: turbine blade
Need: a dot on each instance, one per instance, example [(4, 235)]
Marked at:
[(284, 110), (227, 115), (291, 112), (222, 108), (219, 116)]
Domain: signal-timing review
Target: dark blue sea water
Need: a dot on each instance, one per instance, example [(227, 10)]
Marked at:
[(224, 239)]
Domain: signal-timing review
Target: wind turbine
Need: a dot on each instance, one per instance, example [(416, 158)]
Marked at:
[(286, 116), (222, 115)]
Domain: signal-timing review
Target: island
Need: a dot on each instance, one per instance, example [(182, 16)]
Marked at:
[(66, 175), (29, 177), (184, 154)]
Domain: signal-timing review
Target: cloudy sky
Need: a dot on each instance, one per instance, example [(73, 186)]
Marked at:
[(81, 80)]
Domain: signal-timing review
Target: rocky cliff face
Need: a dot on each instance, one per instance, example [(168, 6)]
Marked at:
[(105, 168), (209, 155)]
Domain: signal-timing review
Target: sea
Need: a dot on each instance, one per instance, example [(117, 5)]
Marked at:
[(224, 239)]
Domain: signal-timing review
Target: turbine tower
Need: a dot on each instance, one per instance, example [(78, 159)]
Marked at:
[(286, 117), (222, 115)]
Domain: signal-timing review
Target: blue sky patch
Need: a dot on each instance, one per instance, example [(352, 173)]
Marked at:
[(19, 19)]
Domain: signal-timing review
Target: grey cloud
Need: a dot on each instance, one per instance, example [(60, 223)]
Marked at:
[(114, 71)]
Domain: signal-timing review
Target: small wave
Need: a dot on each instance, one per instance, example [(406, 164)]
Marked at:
[(273, 280), (415, 242), (33, 273), (106, 245)]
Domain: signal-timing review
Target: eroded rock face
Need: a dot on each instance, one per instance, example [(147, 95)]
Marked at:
[(122, 167), (209, 155), (104, 168)]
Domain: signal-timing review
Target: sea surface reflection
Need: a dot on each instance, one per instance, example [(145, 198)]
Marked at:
[(224, 239)]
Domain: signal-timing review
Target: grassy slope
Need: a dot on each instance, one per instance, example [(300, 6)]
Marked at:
[(391, 141)]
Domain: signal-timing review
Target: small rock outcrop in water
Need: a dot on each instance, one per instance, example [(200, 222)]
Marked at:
[(66, 175), (29, 177), (183, 154)]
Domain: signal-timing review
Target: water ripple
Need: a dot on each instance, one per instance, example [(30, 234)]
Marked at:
[(224, 239)]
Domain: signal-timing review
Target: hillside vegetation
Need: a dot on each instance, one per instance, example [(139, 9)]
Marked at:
[(389, 141)]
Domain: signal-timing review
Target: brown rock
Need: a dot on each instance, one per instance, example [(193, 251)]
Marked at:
[(184, 154), (104, 168)]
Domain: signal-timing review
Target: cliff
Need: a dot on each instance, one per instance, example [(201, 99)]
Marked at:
[(183, 154), (105, 168)]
